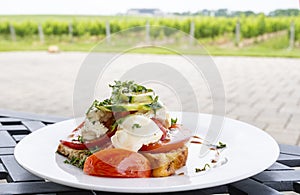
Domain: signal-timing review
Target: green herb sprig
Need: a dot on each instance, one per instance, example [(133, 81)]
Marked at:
[(136, 125), (120, 88), (221, 145), (203, 169), (155, 105), (173, 121), (76, 162)]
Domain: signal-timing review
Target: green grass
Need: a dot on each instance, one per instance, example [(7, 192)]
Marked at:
[(275, 47)]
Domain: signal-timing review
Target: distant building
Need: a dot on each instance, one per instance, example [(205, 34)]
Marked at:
[(145, 12)]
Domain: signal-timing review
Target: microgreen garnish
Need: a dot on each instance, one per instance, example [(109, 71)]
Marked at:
[(96, 104), (173, 121), (203, 169), (155, 105), (92, 106), (123, 94), (76, 162), (136, 125), (80, 138), (114, 126), (221, 145), (120, 88)]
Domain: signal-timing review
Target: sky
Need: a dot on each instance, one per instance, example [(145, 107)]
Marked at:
[(110, 7)]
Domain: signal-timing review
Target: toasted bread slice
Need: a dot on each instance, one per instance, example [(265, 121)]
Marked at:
[(72, 153), (162, 164), (165, 164)]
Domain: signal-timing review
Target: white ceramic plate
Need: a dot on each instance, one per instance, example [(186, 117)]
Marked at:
[(249, 151)]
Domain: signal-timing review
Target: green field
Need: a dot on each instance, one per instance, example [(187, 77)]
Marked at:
[(215, 34)]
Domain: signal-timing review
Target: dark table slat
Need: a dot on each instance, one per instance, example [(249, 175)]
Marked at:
[(6, 151), (278, 176), (250, 187), (278, 167), (279, 180), (297, 187), (31, 116), (16, 172), (6, 140), (81, 193), (216, 190), (289, 149), (34, 188), (281, 186), (289, 160), (3, 172), (191, 192), (33, 125)]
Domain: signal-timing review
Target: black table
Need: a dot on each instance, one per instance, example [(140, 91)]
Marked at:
[(281, 176)]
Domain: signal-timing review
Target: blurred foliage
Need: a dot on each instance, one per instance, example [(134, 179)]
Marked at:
[(205, 26)]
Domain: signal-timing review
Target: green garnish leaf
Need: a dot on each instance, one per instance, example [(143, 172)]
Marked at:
[(136, 125), (114, 126), (92, 106), (80, 138), (173, 121), (67, 162), (155, 105), (203, 169), (221, 145)]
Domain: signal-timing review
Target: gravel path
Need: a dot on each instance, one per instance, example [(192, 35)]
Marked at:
[(264, 92)]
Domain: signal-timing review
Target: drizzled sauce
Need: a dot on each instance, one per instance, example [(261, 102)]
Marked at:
[(196, 142), (211, 147), (195, 136)]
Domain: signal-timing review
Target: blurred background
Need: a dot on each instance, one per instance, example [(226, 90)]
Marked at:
[(255, 44)]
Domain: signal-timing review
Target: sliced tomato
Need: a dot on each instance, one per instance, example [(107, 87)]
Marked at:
[(176, 141), (89, 144), (86, 145), (161, 127), (163, 147), (117, 162), (74, 145)]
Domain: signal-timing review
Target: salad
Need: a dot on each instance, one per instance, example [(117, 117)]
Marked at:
[(130, 134)]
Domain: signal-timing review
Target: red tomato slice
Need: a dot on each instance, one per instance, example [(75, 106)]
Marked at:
[(117, 162), (163, 147), (89, 144), (74, 145), (176, 141)]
